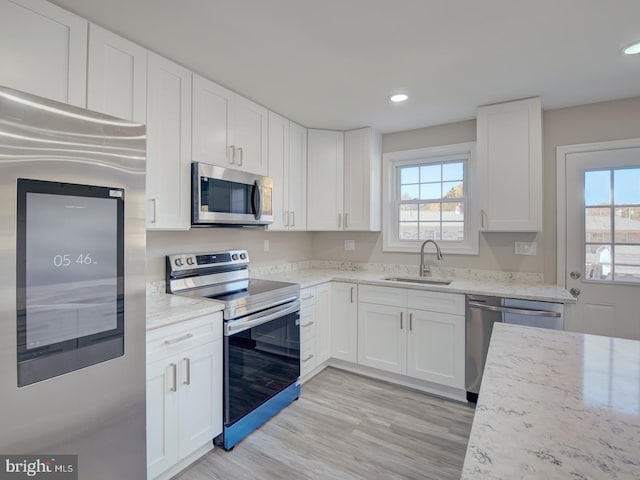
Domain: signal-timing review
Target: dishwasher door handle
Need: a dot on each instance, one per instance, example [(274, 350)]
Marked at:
[(519, 311)]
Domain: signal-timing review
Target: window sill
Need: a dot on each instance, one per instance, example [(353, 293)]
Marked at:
[(446, 248)]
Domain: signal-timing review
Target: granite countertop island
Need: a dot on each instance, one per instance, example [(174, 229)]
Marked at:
[(556, 405)]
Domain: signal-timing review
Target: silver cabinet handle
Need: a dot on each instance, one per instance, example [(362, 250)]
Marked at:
[(401, 316), (286, 219), (339, 220), (352, 289), (241, 155), (520, 311), (154, 210), (232, 157), (188, 380), (174, 367), (179, 339), (346, 220), (308, 358), (308, 324), (293, 219), (483, 217), (307, 298), (411, 322)]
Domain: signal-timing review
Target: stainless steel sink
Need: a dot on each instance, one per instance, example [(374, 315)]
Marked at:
[(424, 281)]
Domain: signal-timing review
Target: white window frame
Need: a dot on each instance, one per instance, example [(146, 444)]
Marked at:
[(391, 162)]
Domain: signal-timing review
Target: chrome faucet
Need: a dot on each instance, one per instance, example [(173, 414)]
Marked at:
[(426, 269)]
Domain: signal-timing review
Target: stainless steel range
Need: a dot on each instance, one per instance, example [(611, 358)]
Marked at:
[(261, 335)]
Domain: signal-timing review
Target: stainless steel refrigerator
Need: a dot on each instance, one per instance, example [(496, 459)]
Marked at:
[(72, 287)]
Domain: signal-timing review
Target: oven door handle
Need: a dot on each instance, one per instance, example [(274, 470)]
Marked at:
[(236, 326)]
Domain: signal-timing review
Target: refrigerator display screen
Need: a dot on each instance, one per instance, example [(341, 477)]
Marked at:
[(70, 269)]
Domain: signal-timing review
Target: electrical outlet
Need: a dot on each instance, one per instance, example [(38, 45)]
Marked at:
[(265, 245), (349, 245), (526, 248)]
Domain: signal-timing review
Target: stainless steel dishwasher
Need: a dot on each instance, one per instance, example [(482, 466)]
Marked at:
[(482, 312)]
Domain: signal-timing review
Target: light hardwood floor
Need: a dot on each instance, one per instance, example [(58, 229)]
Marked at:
[(345, 426)]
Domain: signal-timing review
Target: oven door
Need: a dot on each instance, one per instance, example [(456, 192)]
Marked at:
[(222, 196), (261, 358)]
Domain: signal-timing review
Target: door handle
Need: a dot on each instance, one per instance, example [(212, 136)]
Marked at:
[(401, 317), (411, 322), (174, 367), (293, 219), (286, 219), (232, 157), (188, 380), (352, 289), (339, 220), (241, 155), (575, 292), (575, 275), (346, 220)]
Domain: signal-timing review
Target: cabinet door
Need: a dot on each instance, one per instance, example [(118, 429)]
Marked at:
[(382, 337), (278, 170), (168, 145), (117, 76), (210, 132), (162, 420), (510, 147), (436, 348), (362, 180), (325, 169), (200, 399), (323, 323), (344, 321), (297, 177), (249, 135), (43, 50)]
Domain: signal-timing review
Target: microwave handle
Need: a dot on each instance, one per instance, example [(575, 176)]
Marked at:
[(256, 200)]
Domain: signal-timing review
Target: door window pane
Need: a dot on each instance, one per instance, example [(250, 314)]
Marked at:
[(598, 262), (627, 263), (627, 225), (597, 187), (626, 186), (597, 225)]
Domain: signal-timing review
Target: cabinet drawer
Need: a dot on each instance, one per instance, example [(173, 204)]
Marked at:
[(308, 296), (436, 301), (307, 356), (169, 340), (396, 297)]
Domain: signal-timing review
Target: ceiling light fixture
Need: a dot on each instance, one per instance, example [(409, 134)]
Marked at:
[(398, 97), (632, 49)]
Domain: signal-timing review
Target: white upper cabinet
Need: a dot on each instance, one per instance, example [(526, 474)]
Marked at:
[(325, 173), (344, 185), (211, 109), (228, 130), (168, 145), (248, 135), (288, 170), (362, 180), (117, 76), (510, 166), (43, 50)]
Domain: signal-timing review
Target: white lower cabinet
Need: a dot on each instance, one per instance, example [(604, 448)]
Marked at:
[(184, 391), (426, 343), (344, 321), (315, 327)]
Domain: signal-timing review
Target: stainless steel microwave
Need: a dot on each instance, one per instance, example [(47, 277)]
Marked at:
[(222, 196)]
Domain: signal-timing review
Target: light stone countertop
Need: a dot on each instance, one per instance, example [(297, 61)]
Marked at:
[(165, 309), (556, 405), (508, 289)]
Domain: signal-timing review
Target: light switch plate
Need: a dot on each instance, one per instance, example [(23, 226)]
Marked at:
[(349, 245), (526, 248)]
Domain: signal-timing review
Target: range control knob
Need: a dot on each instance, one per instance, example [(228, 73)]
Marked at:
[(234, 256), (179, 262), (190, 261), (243, 256)]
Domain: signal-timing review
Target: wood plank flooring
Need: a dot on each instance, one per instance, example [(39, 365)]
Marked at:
[(346, 426)]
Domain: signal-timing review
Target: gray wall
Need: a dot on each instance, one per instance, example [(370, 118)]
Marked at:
[(605, 121)]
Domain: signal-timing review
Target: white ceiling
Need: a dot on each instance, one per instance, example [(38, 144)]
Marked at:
[(334, 63)]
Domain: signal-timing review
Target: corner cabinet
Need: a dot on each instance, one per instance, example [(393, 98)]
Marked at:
[(168, 145), (117, 76), (288, 170), (228, 130), (345, 193), (43, 50), (509, 143), (184, 392), (344, 321)]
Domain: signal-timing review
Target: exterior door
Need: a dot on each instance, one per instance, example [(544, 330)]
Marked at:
[(602, 192)]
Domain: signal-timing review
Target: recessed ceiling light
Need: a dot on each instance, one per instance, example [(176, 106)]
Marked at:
[(632, 49), (398, 97)]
